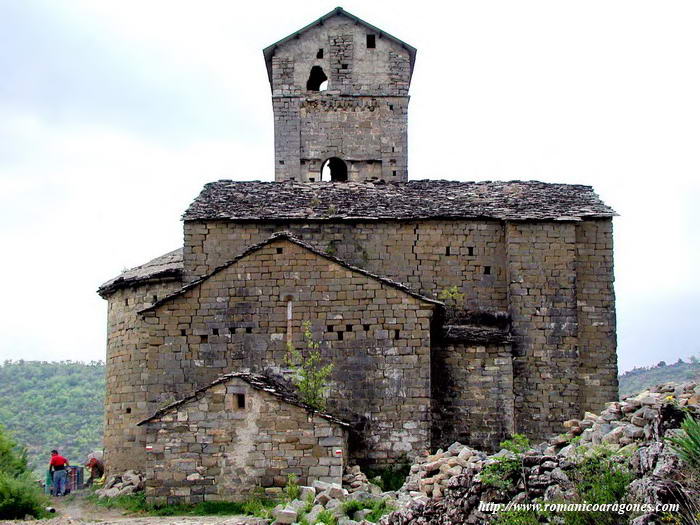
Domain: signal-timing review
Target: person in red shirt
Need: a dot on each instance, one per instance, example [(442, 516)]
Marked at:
[(57, 466)]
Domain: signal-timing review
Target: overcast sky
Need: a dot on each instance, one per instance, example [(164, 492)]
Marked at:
[(114, 113)]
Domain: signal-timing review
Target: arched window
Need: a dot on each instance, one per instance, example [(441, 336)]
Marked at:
[(335, 170), (316, 78)]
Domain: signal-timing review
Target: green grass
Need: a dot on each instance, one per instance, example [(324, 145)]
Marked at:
[(378, 507), (136, 503)]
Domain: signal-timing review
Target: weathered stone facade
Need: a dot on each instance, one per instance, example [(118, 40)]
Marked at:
[(526, 341), (359, 118), (237, 434)]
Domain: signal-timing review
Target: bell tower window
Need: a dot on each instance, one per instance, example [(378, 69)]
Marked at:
[(316, 79), (335, 170)]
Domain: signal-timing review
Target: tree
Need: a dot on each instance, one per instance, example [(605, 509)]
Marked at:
[(309, 377)]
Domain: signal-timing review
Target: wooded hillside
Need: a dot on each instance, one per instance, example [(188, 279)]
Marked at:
[(639, 379), (53, 405), (60, 405)]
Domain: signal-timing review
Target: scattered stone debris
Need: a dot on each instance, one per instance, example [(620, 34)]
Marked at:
[(446, 488), (127, 483)]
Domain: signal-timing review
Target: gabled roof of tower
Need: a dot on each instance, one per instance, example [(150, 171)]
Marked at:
[(421, 199), (165, 267), (258, 382), (338, 11), (289, 237)]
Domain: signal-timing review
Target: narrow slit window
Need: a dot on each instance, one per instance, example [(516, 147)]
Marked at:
[(371, 41), (448, 250), (231, 330), (340, 336), (319, 54), (183, 332), (470, 250), (240, 401), (487, 270), (393, 173), (343, 66), (330, 327), (348, 328), (215, 331), (391, 108), (126, 302), (365, 327), (155, 298), (397, 334), (280, 250), (128, 410), (248, 330)]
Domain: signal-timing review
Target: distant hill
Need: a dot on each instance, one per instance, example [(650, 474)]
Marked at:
[(60, 405), (639, 379), (53, 405)]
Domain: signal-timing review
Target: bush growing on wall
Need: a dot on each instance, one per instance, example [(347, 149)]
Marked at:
[(309, 377)]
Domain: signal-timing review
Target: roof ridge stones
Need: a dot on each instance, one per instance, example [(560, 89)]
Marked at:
[(412, 200), (263, 383), (168, 266)]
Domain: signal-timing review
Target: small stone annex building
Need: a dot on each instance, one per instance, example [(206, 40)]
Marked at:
[(450, 310)]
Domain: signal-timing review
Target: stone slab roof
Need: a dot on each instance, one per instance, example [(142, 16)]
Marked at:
[(257, 381), (421, 199), (289, 237), (165, 267)]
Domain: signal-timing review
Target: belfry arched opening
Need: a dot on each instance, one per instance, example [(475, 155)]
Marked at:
[(334, 170)]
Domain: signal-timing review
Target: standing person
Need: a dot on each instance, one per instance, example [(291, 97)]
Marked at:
[(57, 466)]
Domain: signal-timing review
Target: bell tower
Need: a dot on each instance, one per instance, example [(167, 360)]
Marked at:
[(340, 101)]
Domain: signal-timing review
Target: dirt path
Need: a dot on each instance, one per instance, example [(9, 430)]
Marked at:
[(76, 510)]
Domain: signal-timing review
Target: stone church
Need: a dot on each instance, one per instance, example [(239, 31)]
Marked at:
[(451, 311)]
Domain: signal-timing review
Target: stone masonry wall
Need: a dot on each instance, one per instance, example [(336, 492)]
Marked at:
[(542, 295), (212, 449), (377, 336), (412, 253), (360, 118), (596, 314), (472, 395), (126, 375)]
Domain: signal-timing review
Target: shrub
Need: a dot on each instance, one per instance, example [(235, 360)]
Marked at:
[(19, 497), (502, 474), (390, 478), (325, 516), (687, 446), (378, 507), (518, 443), (292, 490), (309, 378), (13, 458)]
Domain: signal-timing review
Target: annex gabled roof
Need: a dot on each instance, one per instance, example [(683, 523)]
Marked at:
[(289, 237), (165, 267), (259, 382), (269, 51), (412, 200)]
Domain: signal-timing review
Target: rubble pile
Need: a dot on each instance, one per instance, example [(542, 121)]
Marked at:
[(329, 498), (447, 487), (127, 483)]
